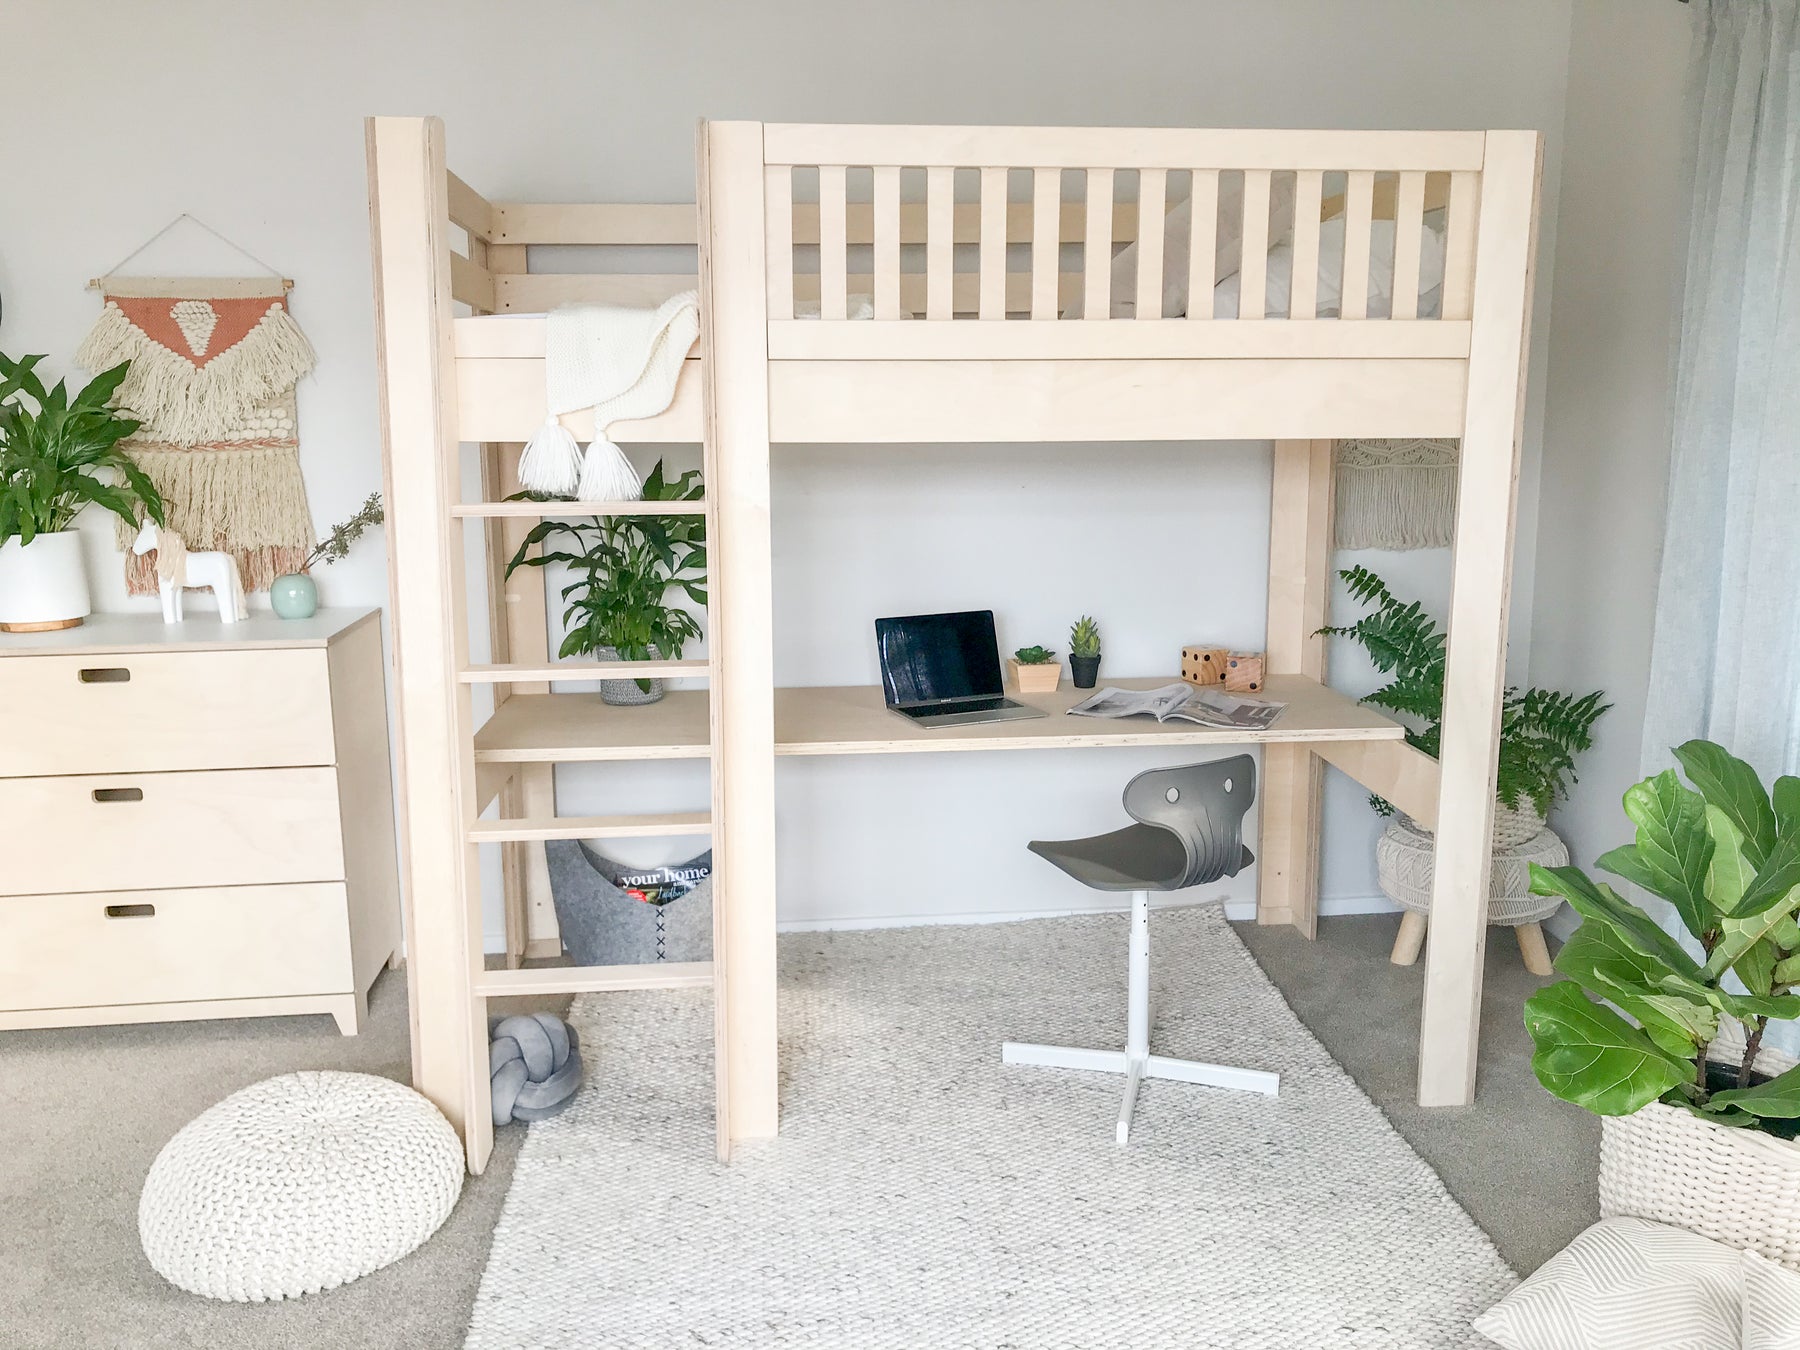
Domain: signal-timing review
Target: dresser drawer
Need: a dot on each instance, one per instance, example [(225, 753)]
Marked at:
[(156, 711), (78, 951), (239, 827)]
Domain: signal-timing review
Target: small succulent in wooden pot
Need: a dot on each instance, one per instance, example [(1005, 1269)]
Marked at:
[(1035, 670)]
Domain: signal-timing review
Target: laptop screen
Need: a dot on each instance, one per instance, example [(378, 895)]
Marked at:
[(926, 657)]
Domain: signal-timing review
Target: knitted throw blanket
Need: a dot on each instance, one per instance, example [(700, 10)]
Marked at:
[(622, 363)]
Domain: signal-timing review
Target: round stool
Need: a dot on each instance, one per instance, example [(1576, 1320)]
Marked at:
[(1403, 861), (297, 1184)]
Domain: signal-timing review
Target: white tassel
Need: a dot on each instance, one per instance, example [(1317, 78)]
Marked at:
[(551, 460), (607, 476)]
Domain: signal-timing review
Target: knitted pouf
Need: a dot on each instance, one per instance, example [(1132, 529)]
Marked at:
[(297, 1184), (1404, 856)]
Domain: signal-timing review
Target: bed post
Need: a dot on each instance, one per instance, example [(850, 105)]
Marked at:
[(734, 336), (1300, 526), (1487, 492), (409, 220)]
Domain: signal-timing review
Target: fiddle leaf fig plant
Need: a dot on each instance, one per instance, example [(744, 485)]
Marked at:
[(624, 568), (1634, 1017), (1034, 656)]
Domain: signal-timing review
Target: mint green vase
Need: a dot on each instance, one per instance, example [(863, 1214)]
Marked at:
[(294, 596)]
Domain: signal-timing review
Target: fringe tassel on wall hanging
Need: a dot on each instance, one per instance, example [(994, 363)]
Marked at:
[(213, 369), (1396, 494)]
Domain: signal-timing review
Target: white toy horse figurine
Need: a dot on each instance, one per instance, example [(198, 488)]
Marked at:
[(176, 568)]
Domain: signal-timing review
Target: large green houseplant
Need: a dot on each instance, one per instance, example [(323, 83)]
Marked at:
[(59, 453), (622, 570), (1541, 730), (1691, 1138)]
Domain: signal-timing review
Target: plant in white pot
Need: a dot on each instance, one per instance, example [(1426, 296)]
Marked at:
[(1661, 1037), (54, 449)]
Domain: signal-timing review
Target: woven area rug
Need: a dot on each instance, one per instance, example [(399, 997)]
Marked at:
[(924, 1197)]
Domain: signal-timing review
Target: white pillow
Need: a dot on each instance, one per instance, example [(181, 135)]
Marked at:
[(1771, 1304), (1626, 1284)]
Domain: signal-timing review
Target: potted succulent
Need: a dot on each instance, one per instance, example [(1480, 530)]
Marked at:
[(1084, 652), (51, 455), (1035, 670), (1541, 730), (624, 568), (295, 595), (1636, 1031)]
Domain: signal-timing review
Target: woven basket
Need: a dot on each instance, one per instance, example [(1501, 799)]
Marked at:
[(1405, 857), (625, 693), (1739, 1187), (1513, 825)]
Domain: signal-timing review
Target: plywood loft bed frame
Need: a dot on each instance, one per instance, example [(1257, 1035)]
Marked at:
[(957, 354)]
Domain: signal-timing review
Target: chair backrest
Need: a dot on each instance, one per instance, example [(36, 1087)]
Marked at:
[(1204, 806)]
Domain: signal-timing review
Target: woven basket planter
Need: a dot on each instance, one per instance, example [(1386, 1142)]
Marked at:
[(625, 693), (1739, 1187), (1405, 857)]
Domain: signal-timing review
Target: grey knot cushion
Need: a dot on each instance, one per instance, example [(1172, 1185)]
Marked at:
[(297, 1184), (534, 1066)]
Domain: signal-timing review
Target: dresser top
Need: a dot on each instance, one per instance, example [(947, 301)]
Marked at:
[(101, 634)]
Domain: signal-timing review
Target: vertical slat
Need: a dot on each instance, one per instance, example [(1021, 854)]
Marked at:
[(1359, 215), (940, 242), (734, 334), (416, 377), (1309, 198), (993, 244), (1475, 678), (1300, 523), (778, 195), (1203, 244), (1253, 268), (1409, 234), (834, 254), (1046, 241), (1464, 229), (1153, 193), (1096, 246), (887, 241)]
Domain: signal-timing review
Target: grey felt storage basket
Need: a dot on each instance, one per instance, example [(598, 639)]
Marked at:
[(604, 924)]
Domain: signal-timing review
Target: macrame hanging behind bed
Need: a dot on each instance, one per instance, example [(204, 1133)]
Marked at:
[(1396, 494), (214, 363)]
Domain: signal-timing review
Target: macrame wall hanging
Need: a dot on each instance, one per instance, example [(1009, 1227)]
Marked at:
[(1396, 494), (214, 363)]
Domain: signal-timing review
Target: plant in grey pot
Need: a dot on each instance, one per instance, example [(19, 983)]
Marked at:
[(1084, 652), (623, 569), (295, 595), (51, 457)]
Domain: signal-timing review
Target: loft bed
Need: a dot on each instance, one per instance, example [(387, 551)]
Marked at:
[(911, 284)]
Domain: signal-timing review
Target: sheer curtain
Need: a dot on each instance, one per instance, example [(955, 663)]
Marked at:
[(1725, 662)]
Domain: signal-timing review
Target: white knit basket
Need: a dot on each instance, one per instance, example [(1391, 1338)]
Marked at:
[(1513, 825), (1405, 858), (1739, 1187)]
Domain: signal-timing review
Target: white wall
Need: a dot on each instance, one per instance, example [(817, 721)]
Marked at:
[(1610, 386), (250, 116)]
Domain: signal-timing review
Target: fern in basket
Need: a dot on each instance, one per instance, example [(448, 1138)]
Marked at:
[(1541, 730)]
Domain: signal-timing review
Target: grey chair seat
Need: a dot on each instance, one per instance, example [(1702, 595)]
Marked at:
[(1134, 858)]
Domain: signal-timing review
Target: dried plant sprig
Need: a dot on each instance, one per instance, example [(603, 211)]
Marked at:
[(336, 546)]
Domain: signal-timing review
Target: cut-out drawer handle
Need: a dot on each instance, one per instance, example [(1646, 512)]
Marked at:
[(131, 911), (104, 675), (118, 794)]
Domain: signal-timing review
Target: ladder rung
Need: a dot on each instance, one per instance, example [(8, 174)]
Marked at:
[(591, 827), (547, 510), (537, 980), (581, 670)]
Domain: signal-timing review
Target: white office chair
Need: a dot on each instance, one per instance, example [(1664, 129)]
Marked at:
[(1189, 831)]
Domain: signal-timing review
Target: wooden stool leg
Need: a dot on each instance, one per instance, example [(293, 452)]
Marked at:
[(1533, 948), (1412, 937)]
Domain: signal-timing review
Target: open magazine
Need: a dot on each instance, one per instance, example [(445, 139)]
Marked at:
[(1184, 702)]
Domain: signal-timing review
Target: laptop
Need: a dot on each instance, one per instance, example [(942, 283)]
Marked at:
[(943, 670)]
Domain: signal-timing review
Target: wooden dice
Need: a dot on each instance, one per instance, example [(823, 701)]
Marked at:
[(1244, 672), (1203, 665)]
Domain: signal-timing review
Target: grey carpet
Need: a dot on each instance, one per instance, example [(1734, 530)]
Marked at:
[(84, 1111), (922, 1194)]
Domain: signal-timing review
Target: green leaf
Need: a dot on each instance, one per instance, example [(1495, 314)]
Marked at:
[(1673, 849), (1786, 800), (1597, 959), (1732, 785), (1730, 873), (1777, 1099), (1589, 1055), (1605, 906), (1775, 879)]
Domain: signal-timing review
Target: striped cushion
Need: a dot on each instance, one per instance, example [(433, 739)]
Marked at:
[(1771, 1304), (1626, 1284)]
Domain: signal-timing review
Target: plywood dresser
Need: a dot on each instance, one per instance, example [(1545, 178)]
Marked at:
[(196, 820)]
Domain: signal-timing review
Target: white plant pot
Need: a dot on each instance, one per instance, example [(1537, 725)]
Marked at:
[(43, 585)]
